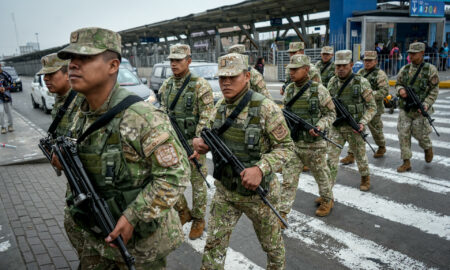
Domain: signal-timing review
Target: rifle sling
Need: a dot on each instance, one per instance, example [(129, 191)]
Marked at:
[(298, 95), (325, 67), (345, 84), (368, 73), (109, 115), (416, 74), (61, 112), (175, 100), (230, 119)]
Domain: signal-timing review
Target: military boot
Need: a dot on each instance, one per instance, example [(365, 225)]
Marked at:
[(305, 168), (365, 183), (349, 159), (406, 166), (283, 215), (428, 155), (324, 208), (198, 225), (4, 130), (185, 215), (318, 200), (10, 129), (380, 152)]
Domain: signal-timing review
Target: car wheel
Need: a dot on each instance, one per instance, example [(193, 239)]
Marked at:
[(46, 110), (35, 105)]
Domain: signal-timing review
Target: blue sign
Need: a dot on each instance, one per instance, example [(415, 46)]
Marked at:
[(149, 39), (425, 8), (276, 21)]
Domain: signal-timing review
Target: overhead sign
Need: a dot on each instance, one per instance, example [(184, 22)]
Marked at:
[(426, 8), (149, 39), (276, 21)]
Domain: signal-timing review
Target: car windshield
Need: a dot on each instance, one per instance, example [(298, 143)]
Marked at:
[(127, 65), (10, 71), (126, 77), (208, 71)]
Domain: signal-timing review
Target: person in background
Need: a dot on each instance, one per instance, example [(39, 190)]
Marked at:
[(443, 54), (260, 65), (5, 101)]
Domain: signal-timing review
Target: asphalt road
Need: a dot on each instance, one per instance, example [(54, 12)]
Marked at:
[(402, 223)]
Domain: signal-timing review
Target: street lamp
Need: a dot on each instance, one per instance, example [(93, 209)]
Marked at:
[(37, 40)]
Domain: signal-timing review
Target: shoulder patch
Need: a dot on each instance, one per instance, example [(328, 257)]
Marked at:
[(166, 155), (435, 80), (280, 132), (207, 98), (155, 142)]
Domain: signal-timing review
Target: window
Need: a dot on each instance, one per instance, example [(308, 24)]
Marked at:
[(158, 72)]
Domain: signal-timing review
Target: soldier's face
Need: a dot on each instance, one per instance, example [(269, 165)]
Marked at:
[(231, 86), (326, 57), (298, 74), (57, 82), (180, 66), (344, 70), (416, 58), (370, 63)]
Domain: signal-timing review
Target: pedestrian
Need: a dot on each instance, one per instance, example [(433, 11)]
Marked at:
[(394, 56), (259, 66), (410, 121), (358, 99), (135, 161), (5, 101), (191, 110), (443, 54), (260, 138), (325, 65), (257, 82), (377, 48), (380, 86), (312, 102), (435, 54)]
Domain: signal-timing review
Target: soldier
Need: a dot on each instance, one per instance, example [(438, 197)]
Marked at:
[(312, 102), (358, 99), (258, 118), (380, 86), (326, 65), (426, 86), (257, 82), (191, 110), (135, 162)]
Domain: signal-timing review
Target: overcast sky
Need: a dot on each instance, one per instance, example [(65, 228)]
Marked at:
[(53, 20)]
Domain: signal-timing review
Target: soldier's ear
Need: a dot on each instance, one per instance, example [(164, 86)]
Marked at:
[(114, 65)]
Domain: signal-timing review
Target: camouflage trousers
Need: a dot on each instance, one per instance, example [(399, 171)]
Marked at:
[(416, 125), (226, 209), (341, 135), (199, 191), (376, 129), (315, 157)]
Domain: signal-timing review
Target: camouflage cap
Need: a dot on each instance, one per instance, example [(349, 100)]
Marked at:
[(237, 48), (296, 46), (370, 55), (343, 57), (179, 51), (51, 63), (232, 64), (416, 47), (298, 61), (91, 41), (327, 49)]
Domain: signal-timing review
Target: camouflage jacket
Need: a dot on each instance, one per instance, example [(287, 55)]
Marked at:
[(327, 74), (380, 86), (203, 101), (68, 117), (258, 84)]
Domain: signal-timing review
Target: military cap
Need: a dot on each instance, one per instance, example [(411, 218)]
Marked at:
[(91, 41), (343, 57), (296, 46), (416, 47), (370, 55), (51, 63), (179, 51), (237, 48), (232, 64), (298, 61), (327, 49)]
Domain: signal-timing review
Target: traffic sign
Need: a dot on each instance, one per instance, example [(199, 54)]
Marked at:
[(425, 8)]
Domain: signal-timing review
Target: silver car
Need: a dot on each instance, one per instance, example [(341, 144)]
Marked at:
[(129, 81)]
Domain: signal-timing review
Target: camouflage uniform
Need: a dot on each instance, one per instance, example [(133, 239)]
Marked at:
[(263, 119), (193, 110), (316, 107), (412, 122), (367, 109), (257, 82), (328, 73), (149, 171)]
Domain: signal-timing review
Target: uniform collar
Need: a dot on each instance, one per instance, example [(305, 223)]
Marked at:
[(182, 78), (301, 84), (105, 106), (237, 98), (63, 98), (343, 80)]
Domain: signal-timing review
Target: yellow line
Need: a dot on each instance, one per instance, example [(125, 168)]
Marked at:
[(443, 84)]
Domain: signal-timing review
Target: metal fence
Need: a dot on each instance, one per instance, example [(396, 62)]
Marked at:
[(283, 60), (392, 65)]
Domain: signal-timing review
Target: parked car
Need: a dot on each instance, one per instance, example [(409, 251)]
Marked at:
[(125, 63), (17, 82), (40, 96), (206, 70), (132, 83)]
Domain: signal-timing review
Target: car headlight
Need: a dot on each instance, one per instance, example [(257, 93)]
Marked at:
[(18, 80)]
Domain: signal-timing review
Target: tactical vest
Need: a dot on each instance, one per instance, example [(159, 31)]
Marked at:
[(183, 111), (351, 97), (244, 141), (66, 121), (307, 108), (373, 79), (327, 73), (420, 86), (116, 180)]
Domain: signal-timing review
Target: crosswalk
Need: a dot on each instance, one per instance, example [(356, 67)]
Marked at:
[(402, 223)]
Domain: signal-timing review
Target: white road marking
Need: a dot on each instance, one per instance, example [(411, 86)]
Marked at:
[(441, 130), (443, 160), (439, 144), (441, 106), (440, 101), (4, 246), (394, 117)]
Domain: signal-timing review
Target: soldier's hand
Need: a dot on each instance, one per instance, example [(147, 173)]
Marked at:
[(200, 146), (402, 93), (55, 162), (194, 155), (313, 133), (281, 91), (251, 177), (123, 228), (425, 107), (361, 128)]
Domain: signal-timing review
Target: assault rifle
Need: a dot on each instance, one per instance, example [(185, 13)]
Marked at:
[(84, 192), (413, 102), (222, 153), (296, 123), (187, 147), (45, 144), (344, 115)]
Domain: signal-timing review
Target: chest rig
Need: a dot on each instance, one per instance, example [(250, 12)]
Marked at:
[(351, 97), (326, 72), (420, 85)]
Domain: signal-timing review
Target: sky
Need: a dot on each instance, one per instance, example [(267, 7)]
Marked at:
[(54, 20)]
